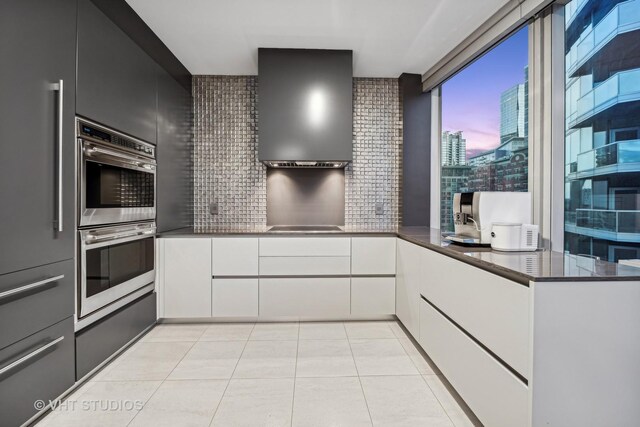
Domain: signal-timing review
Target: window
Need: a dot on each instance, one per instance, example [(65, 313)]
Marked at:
[(602, 145), (484, 122)]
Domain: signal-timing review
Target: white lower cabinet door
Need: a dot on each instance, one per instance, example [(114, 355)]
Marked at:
[(408, 278), (187, 278), (234, 297), (305, 297), (373, 295), (494, 394)]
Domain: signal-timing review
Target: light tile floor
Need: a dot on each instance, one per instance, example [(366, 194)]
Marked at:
[(270, 374)]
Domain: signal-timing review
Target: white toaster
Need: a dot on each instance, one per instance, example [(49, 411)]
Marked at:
[(513, 237)]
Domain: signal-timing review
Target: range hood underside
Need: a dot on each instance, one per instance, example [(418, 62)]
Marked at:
[(305, 164)]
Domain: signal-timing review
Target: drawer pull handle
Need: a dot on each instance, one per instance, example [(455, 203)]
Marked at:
[(30, 355), (25, 288)]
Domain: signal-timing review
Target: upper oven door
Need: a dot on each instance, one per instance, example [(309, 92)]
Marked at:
[(115, 186)]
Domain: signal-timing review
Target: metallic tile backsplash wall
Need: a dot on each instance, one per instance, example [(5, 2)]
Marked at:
[(226, 167), (227, 172), (373, 179)]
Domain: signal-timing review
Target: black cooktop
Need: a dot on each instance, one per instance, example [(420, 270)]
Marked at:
[(306, 228)]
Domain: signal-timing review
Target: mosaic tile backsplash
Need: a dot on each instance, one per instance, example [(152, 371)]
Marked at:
[(228, 175)]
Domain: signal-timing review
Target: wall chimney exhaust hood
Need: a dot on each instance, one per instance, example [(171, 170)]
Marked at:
[(305, 108)]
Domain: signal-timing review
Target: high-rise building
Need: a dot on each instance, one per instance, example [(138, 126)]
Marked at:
[(602, 146), (513, 109), (453, 179), (454, 149)]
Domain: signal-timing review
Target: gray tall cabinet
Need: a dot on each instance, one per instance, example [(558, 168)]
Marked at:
[(37, 108)]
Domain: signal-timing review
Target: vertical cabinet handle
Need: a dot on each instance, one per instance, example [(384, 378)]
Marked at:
[(60, 88)]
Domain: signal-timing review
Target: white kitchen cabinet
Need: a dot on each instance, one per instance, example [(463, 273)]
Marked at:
[(494, 394), (186, 281), (491, 308), (305, 246), (234, 297), (305, 297), (373, 255), (305, 266), (410, 274), (372, 296), (235, 256)]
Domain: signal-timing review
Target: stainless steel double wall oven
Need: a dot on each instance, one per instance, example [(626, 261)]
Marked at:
[(116, 219)]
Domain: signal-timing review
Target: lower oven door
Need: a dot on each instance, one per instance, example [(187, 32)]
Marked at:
[(114, 262)]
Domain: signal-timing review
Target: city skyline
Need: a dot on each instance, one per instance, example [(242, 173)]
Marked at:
[(471, 99)]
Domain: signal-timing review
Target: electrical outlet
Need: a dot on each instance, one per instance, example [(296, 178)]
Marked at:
[(380, 208), (213, 208)]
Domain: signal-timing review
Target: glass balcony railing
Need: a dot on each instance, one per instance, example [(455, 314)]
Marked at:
[(622, 18), (614, 221), (608, 93), (619, 153), (572, 9)]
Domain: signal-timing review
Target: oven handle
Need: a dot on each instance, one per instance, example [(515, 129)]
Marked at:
[(91, 239), (146, 165)]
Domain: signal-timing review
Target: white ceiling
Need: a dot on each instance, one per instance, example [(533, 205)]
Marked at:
[(388, 37)]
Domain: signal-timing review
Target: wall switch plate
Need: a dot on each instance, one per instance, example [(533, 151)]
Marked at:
[(213, 209), (380, 208)]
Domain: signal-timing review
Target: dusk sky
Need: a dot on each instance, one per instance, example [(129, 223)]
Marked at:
[(471, 98)]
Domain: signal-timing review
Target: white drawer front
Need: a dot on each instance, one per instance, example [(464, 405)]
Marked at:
[(373, 295), (373, 255), (304, 266), (305, 246), (494, 394), (235, 256), (304, 297), (234, 297), (491, 308)]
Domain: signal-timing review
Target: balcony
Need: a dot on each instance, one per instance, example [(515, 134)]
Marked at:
[(607, 39), (572, 10), (620, 157), (614, 225), (618, 95)]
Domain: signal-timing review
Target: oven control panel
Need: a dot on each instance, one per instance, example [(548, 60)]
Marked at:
[(91, 131)]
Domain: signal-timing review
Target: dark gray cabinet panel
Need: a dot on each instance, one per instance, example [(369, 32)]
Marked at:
[(116, 78), (102, 339), (305, 104), (175, 148), (41, 298), (45, 375), (37, 47)]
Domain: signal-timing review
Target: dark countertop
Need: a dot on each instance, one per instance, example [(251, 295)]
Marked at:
[(521, 267)]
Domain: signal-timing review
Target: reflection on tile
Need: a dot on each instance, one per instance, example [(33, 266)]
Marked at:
[(329, 402), (250, 403), (325, 358), (397, 329), (182, 403), (403, 401), (423, 365), (453, 405), (275, 331), (381, 357), (149, 361), (322, 331), (175, 332), (368, 330), (267, 359), (103, 404), (209, 360), (227, 332)]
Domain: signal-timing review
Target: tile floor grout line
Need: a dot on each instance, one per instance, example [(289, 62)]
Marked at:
[(358, 373), (231, 377), (295, 375), (438, 399), (162, 382)]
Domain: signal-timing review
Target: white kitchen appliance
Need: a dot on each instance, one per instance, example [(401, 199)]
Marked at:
[(513, 237), (475, 213)]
